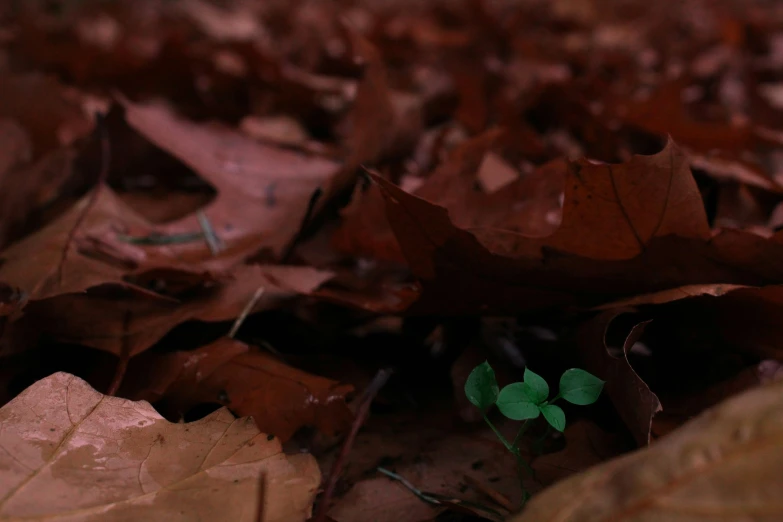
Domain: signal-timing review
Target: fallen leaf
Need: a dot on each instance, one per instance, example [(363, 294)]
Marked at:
[(280, 398), (263, 191), (494, 173), (724, 463), (631, 396), (39, 104), (586, 445), (619, 222), (127, 320), (674, 294), (37, 265), (72, 453), (433, 457), (528, 205), (680, 409)]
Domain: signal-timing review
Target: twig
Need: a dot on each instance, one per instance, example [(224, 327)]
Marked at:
[(245, 312), (214, 243), (372, 390), (437, 499), (289, 251), (161, 239), (103, 175), (413, 489)]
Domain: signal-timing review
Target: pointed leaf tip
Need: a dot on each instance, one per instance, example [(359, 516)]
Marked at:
[(555, 416), (537, 385), (580, 387), (481, 388)]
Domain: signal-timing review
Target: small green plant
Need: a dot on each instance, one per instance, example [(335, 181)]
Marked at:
[(527, 400)]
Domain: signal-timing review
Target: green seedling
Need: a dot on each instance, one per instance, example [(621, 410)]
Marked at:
[(528, 400)]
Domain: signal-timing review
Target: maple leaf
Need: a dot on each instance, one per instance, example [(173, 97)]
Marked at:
[(71, 453), (726, 461), (279, 397)]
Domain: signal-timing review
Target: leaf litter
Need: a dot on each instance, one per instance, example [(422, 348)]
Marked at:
[(242, 210)]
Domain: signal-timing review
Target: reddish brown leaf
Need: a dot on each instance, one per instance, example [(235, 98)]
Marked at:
[(263, 191), (619, 223), (39, 104), (250, 382), (528, 205), (585, 446), (635, 403), (128, 321)]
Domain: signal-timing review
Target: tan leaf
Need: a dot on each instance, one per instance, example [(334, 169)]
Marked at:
[(723, 465), (71, 453)]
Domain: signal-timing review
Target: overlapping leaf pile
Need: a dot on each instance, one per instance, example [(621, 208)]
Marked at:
[(259, 204)]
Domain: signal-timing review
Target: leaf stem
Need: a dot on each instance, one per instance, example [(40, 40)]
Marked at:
[(499, 435), (521, 432)]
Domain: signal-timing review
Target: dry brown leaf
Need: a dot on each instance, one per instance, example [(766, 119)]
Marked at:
[(635, 402), (263, 191), (36, 265), (280, 398), (725, 464), (620, 222), (585, 446), (127, 321), (71, 453), (526, 204), (434, 457), (39, 104)]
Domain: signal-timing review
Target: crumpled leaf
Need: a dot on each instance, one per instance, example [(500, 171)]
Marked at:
[(71, 453), (280, 398), (635, 402), (724, 463)]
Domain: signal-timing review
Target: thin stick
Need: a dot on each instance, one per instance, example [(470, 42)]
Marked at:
[(103, 175), (413, 489), (214, 243), (435, 498), (375, 386), (161, 239), (245, 312)]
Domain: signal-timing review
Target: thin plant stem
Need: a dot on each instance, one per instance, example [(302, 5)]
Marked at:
[(499, 435), (521, 432)]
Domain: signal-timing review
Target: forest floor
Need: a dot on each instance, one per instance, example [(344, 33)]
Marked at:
[(295, 228)]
